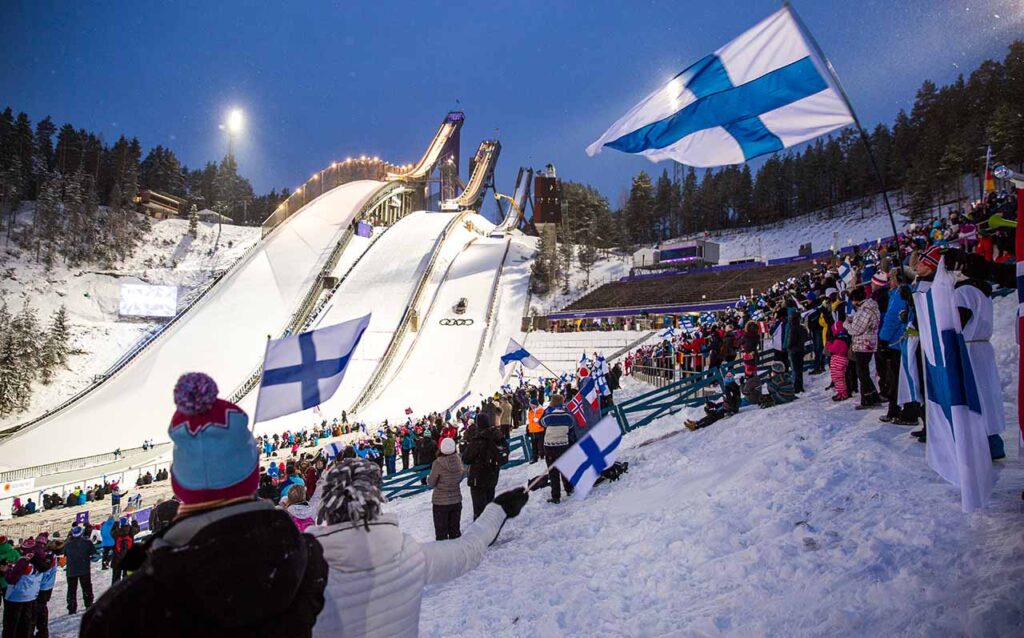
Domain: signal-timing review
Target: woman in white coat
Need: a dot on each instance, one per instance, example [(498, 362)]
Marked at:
[(377, 573)]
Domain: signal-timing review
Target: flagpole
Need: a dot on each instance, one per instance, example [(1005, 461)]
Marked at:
[(259, 395), (856, 120)]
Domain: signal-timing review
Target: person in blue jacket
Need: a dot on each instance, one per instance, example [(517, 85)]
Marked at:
[(23, 581), (107, 540), (408, 443), (46, 564), (559, 435)]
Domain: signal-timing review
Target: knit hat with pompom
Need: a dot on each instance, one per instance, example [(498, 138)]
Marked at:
[(215, 455), (350, 492)]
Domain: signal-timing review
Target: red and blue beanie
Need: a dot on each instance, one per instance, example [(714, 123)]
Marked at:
[(215, 455)]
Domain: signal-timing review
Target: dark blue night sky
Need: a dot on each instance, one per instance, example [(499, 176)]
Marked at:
[(320, 81)]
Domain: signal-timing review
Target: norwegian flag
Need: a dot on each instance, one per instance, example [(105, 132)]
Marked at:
[(586, 405)]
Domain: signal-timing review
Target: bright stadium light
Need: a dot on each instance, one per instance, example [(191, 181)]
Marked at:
[(236, 119)]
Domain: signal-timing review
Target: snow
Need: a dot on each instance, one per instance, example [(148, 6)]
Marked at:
[(451, 350), (91, 296), (223, 336), (807, 519), (561, 351)]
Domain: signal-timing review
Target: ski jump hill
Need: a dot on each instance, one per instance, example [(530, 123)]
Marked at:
[(314, 268)]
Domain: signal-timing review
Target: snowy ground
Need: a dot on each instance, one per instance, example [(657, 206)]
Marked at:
[(808, 519), (91, 296)]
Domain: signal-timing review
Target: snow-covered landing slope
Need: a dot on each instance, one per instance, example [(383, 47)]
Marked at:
[(810, 519), (382, 283), (224, 336), (437, 369)]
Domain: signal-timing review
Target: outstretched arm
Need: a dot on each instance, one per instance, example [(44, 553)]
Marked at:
[(447, 560)]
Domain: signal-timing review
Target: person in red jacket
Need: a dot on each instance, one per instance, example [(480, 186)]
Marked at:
[(449, 431)]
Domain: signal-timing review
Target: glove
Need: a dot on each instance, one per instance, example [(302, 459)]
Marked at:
[(512, 501)]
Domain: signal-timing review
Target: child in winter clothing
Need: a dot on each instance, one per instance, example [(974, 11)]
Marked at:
[(298, 507), (446, 474), (838, 349)]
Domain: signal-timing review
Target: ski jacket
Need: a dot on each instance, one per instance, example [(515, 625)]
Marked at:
[(106, 532), (49, 578), (22, 582), (483, 453), (445, 476), (892, 327), (533, 425), (863, 326), (302, 515), (240, 570), (377, 574), (837, 348), (559, 427), (79, 553)]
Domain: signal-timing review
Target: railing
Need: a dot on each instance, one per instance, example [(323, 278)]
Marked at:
[(632, 346), (403, 325), (687, 392), (487, 318), (338, 173), (69, 465), (412, 481)]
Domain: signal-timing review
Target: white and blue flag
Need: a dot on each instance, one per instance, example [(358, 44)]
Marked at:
[(846, 274), (765, 91), (957, 436), (302, 371), (516, 352), (594, 453), (668, 334)]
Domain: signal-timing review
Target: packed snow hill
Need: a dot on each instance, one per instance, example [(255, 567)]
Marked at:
[(166, 254)]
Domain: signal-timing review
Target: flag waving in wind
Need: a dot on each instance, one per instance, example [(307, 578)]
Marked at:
[(764, 91), (594, 453), (515, 352), (302, 371)]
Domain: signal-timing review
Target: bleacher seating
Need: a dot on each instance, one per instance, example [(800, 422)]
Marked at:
[(686, 288), (561, 351)]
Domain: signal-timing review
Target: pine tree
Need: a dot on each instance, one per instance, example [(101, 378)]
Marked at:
[(19, 361), (55, 348), (638, 212), (7, 361)]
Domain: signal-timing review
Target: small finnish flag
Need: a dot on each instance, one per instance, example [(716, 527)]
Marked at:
[(594, 453), (302, 371), (516, 352)]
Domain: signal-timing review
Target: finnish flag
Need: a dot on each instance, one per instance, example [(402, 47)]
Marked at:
[(957, 435), (516, 352), (594, 453), (765, 91), (302, 371)]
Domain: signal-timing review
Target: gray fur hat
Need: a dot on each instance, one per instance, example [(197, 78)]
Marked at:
[(350, 491)]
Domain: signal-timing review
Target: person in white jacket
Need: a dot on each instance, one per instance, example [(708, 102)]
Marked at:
[(376, 573)]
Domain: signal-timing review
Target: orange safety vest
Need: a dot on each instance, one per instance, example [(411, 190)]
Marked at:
[(533, 420)]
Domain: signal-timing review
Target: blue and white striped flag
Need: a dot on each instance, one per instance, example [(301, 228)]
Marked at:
[(516, 352), (846, 274), (765, 91), (594, 453), (302, 371), (668, 334), (957, 435)]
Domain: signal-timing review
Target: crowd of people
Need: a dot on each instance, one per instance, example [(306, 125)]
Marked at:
[(855, 319)]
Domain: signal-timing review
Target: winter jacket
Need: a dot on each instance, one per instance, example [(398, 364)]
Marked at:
[(559, 427), (48, 578), (106, 532), (445, 476), (124, 538), (388, 448), (863, 326), (780, 388), (892, 327), (408, 443), (837, 348), (796, 336), (483, 454), (302, 515), (377, 573), (240, 570), (506, 413), (79, 553), (8, 554), (22, 582), (533, 425)]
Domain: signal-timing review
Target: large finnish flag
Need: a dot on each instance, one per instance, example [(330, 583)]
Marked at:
[(594, 453), (515, 352), (957, 437), (765, 91), (301, 372)]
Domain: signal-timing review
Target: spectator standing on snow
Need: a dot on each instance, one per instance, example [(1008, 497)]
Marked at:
[(23, 581), (559, 435), (230, 565), (535, 430), (78, 551), (46, 564), (838, 349), (377, 573), (107, 540), (795, 344), (124, 537), (446, 478), (863, 327), (483, 454)]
